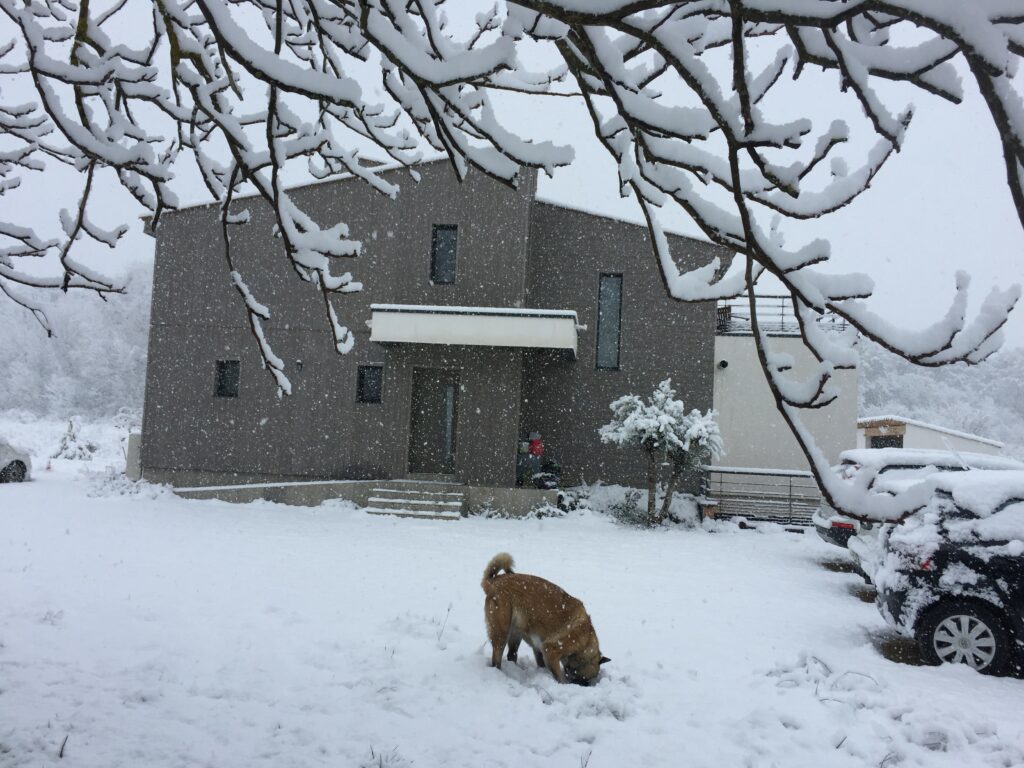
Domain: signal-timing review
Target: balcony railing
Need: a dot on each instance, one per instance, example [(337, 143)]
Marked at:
[(774, 315), (781, 496)]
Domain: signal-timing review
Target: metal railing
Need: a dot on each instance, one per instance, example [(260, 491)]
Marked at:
[(776, 495), (775, 315)]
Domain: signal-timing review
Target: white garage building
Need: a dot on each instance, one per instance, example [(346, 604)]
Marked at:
[(901, 432)]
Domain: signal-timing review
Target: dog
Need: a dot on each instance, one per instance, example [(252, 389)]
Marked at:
[(555, 624)]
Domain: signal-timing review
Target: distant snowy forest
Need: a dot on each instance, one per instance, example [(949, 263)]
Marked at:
[(96, 364), (986, 399)]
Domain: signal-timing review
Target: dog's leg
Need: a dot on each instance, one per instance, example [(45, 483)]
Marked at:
[(539, 657), (553, 661), (499, 621), (513, 647)]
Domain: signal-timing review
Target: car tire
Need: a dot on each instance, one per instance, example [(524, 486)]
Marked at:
[(966, 632), (13, 472)]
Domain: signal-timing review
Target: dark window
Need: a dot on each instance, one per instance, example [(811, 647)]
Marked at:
[(370, 386), (442, 253), (609, 321), (887, 441), (228, 372)]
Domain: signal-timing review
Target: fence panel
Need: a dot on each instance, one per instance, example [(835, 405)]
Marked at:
[(789, 497)]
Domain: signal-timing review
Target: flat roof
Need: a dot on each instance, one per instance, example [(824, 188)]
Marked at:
[(442, 309)]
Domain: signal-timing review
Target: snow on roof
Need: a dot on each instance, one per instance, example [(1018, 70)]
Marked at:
[(622, 216), (869, 421), (440, 309), (387, 166), (982, 492), (922, 457)]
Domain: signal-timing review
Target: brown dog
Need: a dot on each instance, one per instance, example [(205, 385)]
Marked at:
[(554, 623)]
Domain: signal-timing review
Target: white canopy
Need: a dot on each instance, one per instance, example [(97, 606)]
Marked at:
[(474, 326)]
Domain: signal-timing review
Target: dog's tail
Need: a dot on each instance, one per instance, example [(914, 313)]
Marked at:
[(500, 562)]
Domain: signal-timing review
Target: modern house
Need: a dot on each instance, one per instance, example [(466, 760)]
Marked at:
[(901, 432), (487, 315)]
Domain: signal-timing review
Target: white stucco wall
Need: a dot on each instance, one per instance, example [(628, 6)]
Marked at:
[(754, 432), (922, 437)]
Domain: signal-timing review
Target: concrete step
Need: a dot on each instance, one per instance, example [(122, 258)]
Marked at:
[(414, 502), (415, 494), (417, 498), (425, 514)]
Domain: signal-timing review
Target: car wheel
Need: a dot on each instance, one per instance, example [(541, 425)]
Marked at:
[(13, 472), (965, 632)]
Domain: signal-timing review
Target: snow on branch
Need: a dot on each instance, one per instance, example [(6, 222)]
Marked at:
[(693, 102)]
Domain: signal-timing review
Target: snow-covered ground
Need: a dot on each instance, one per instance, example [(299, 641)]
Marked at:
[(147, 630)]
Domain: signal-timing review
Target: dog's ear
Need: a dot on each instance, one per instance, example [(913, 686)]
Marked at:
[(604, 660)]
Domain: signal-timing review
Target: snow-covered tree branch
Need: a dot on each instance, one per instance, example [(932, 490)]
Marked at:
[(704, 106)]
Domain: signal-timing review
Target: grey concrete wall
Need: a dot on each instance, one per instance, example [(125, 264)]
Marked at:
[(566, 400), (321, 431), (513, 502)]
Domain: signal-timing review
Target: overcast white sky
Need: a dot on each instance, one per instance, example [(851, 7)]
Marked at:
[(941, 205)]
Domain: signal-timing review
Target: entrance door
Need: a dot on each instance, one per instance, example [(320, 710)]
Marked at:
[(432, 421)]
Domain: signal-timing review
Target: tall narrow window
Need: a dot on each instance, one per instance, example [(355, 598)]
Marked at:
[(442, 253), (609, 321), (370, 384), (227, 376)]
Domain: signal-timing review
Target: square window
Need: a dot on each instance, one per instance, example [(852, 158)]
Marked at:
[(227, 377), (887, 441), (370, 384), (443, 246)]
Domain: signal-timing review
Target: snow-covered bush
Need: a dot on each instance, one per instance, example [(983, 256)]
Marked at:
[(662, 429), (72, 446), (629, 511)]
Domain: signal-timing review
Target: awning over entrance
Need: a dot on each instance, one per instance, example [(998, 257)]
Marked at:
[(475, 326)]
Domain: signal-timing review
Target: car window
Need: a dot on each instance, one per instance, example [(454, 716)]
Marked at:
[(891, 478), (901, 472), (1005, 525)]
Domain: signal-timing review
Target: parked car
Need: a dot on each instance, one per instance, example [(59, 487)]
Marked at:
[(15, 464), (889, 470), (952, 574)]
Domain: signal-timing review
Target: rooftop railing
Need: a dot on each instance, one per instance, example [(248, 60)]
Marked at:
[(775, 316)]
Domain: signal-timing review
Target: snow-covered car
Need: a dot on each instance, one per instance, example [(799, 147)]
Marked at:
[(15, 464), (888, 470), (952, 574)]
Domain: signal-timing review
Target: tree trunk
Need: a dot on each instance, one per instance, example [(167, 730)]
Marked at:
[(652, 488), (673, 481)]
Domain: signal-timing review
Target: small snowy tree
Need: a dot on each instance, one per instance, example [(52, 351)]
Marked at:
[(702, 106), (698, 442), (665, 433), (72, 446)]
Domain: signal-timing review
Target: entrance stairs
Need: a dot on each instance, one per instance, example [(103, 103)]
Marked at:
[(417, 498)]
